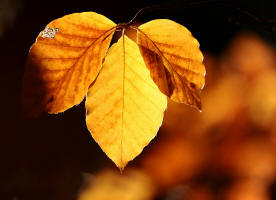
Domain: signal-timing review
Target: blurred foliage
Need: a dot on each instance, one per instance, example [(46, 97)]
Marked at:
[(225, 152), (108, 184)]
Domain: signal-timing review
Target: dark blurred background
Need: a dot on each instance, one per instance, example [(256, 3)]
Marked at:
[(215, 154)]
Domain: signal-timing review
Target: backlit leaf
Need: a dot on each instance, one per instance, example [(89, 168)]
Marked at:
[(124, 106), (173, 57), (125, 103), (64, 61)]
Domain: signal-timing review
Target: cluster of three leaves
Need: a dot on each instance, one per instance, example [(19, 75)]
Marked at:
[(124, 103)]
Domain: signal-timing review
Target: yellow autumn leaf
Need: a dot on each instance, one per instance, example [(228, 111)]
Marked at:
[(124, 106), (64, 61), (173, 57)]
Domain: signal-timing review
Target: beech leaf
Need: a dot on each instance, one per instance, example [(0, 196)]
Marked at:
[(125, 85), (173, 57), (61, 66), (124, 106)]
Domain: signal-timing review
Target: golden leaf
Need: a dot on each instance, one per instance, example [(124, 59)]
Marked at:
[(124, 106), (64, 61), (173, 57)]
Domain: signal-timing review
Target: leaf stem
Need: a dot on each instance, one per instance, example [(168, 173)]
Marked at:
[(257, 19)]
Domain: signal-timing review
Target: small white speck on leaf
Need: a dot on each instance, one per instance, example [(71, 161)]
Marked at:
[(49, 32)]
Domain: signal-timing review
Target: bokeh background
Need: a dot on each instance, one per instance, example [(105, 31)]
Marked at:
[(227, 152)]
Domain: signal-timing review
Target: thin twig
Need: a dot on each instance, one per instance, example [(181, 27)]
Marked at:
[(255, 18)]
